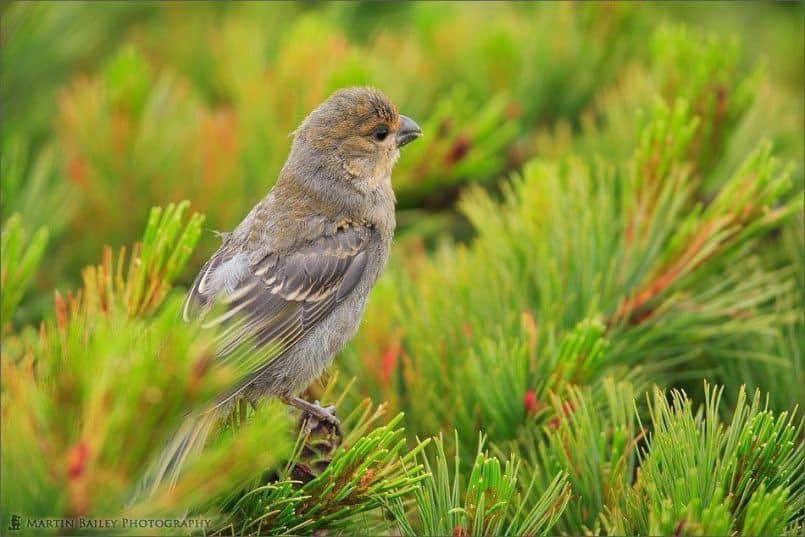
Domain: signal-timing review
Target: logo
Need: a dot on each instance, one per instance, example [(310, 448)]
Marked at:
[(14, 523)]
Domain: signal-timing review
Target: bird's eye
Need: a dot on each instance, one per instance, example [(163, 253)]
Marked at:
[(380, 133)]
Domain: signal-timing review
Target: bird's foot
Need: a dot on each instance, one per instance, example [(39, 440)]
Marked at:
[(314, 415), (318, 415)]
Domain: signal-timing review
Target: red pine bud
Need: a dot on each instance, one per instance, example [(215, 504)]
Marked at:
[(77, 460), (530, 402)]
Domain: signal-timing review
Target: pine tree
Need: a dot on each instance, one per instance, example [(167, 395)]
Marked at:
[(611, 343)]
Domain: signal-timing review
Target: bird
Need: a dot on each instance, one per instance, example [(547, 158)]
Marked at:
[(289, 285), (293, 278)]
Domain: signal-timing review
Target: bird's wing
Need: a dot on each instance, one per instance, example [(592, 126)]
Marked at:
[(271, 304)]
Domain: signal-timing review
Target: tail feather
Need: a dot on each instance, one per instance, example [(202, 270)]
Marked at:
[(188, 440)]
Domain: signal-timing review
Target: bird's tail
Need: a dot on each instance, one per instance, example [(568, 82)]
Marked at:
[(188, 440)]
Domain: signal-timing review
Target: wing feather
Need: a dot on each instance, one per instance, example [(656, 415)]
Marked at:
[(281, 297)]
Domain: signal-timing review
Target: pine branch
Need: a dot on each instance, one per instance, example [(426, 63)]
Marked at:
[(496, 500), (591, 435), (22, 255), (326, 487), (705, 477), (642, 256), (92, 402), (155, 262)]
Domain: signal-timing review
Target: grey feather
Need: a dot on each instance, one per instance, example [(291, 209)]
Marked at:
[(280, 298)]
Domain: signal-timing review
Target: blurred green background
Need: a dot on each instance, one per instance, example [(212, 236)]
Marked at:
[(111, 108), (608, 196)]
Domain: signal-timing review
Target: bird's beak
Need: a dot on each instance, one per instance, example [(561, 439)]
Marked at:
[(408, 132)]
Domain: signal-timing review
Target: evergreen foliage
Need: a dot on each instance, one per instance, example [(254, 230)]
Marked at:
[(494, 502), (710, 478), (599, 255)]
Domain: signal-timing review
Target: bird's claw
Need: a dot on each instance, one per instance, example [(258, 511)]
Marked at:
[(317, 415)]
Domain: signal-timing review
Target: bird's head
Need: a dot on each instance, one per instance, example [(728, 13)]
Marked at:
[(356, 134)]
